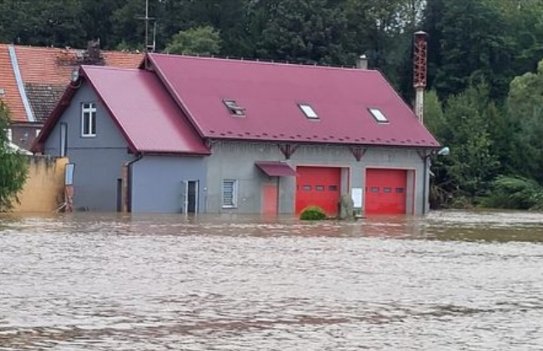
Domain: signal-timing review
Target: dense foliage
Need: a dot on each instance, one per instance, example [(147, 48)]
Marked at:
[(486, 99), (516, 192), (13, 167)]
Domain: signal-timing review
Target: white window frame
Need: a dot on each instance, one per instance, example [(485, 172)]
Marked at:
[(88, 110), (234, 203), (378, 115), (234, 108), (308, 111)]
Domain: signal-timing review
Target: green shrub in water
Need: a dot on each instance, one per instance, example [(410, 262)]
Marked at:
[(313, 213)]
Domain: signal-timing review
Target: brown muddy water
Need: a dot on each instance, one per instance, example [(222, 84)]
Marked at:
[(450, 281)]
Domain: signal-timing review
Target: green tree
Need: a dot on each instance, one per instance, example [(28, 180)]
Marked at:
[(383, 31), (230, 18), (434, 118), (13, 167), (525, 110), (96, 19), (128, 26), (472, 46), (46, 23), (304, 31), (441, 185), (471, 166), (472, 40), (195, 41)]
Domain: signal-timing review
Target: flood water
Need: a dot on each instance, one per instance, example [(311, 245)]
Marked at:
[(450, 281)]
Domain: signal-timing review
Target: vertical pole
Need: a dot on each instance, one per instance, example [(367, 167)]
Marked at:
[(425, 186), (124, 188), (419, 104)]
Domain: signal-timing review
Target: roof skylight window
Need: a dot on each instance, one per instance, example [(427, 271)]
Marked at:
[(378, 115), (308, 111), (234, 108)]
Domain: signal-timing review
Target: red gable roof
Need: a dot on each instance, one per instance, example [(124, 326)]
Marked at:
[(271, 94), (45, 72), (144, 111)]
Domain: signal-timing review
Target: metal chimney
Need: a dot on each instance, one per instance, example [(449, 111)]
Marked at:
[(362, 62), (420, 72)]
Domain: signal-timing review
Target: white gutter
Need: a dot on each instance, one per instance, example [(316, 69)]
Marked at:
[(20, 84)]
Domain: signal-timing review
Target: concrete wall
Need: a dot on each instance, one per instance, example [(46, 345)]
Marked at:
[(157, 183), (98, 160), (44, 187), (234, 160)]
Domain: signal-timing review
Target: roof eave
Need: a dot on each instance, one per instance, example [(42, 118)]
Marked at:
[(328, 142), (175, 153)]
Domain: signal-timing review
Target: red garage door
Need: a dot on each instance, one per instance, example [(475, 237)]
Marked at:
[(318, 186), (386, 191)]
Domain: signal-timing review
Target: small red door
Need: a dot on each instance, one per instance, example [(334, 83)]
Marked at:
[(318, 186), (386, 191), (269, 199)]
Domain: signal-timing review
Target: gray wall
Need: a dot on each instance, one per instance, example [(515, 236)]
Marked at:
[(98, 160), (234, 160), (157, 182)]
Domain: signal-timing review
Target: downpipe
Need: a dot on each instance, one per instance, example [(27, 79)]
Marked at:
[(126, 178)]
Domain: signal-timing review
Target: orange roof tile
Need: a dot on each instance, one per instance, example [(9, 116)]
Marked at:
[(48, 67), (8, 83)]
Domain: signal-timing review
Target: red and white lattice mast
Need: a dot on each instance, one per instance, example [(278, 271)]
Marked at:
[(420, 72)]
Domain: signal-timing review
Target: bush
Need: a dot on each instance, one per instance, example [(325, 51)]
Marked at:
[(313, 213), (13, 166), (515, 193)]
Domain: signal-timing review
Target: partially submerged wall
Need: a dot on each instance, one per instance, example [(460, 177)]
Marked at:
[(44, 187)]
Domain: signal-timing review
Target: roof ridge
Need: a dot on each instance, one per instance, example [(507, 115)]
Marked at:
[(267, 62), (85, 67)]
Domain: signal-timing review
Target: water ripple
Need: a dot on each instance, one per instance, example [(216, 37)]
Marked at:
[(450, 281)]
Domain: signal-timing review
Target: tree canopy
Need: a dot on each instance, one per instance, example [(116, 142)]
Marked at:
[(195, 41)]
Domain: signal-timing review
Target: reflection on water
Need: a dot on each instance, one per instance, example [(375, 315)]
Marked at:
[(450, 281)]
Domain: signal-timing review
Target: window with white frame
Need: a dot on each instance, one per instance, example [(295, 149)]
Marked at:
[(88, 119), (229, 193), (308, 111), (378, 115)]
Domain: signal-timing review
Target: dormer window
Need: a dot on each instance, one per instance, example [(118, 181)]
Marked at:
[(234, 108), (378, 115), (308, 111)]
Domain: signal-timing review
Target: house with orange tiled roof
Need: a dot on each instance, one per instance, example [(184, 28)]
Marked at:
[(32, 80)]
